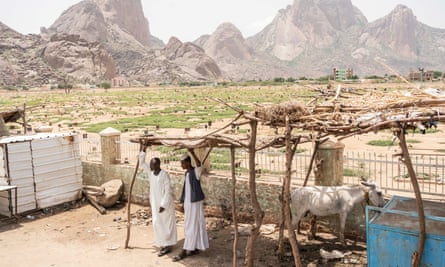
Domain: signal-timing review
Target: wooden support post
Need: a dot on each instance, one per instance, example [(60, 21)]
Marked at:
[(314, 153), (280, 251), (416, 257), (290, 152), (129, 199), (234, 213), (24, 119), (258, 213)]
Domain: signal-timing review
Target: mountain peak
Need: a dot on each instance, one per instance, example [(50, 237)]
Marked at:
[(396, 31), (89, 22), (314, 23), (6, 30), (227, 42), (129, 16), (101, 20)]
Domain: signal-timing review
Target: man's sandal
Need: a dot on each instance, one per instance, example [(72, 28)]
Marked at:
[(164, 251), (194, 252), (180, 256)]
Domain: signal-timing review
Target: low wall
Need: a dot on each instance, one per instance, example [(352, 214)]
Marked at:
[(218, 192)]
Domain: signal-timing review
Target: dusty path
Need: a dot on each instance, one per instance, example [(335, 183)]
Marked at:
[(82, 237)]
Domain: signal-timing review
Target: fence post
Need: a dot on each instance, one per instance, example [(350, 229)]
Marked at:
[(329, 164), (110, 145)]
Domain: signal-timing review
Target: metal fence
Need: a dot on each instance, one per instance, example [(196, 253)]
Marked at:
[(90, 148), (387, 170)]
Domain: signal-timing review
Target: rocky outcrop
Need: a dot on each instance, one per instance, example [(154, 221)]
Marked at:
[(78, 58), (402, 41), (84, 19), (395, 32), (307, 24), (192, 59), (128, 15), (105, 20), (314, 36), (139, 56), (30, 60), (236, 58), (21, 64), (227, 43)]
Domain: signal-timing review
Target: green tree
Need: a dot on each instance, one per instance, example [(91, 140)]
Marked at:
[(105, 85), (437, 74)]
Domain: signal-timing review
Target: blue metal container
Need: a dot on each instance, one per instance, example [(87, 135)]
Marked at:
[(392, 233)]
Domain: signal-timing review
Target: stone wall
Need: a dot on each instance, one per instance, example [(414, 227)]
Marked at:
[(218, 192)]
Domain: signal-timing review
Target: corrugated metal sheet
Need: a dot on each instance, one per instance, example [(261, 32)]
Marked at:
[(20, 173), (23, 138), (57, 170), (46, 168)]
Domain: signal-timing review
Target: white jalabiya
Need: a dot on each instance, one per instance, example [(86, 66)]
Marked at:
[(195, 232), (161, 195)]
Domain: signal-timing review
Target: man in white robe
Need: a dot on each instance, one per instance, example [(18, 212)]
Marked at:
[(195, 232), (162, 205)]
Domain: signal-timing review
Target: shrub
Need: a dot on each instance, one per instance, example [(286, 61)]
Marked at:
[(105, 85)]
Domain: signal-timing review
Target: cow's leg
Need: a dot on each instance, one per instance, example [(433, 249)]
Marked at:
[(313, 226), (342, 226), (296, 217)]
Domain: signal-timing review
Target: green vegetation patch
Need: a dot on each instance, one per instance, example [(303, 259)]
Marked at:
[(380, 143)]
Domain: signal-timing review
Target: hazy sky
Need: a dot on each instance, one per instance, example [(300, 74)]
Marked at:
[(189, 19)]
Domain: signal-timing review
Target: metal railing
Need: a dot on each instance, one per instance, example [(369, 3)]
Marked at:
[(388, 171)]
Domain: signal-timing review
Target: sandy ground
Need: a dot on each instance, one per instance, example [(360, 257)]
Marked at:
[(79, 236), (83, 237)]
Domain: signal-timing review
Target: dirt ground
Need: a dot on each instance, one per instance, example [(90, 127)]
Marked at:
[(76, 234)]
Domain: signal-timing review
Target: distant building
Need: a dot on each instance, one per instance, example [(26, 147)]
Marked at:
[(343, 74), (120, 82), (421, 75)]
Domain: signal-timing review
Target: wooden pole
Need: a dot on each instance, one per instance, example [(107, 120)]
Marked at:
[(314, 153), (290, 152), (280, 251), (234, 213), (129, 200), (258, 213), (24, 119), (417, 255), (99, 208)]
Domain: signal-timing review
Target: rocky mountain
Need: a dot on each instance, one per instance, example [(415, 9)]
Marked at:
[(307, 38), (318, 35), (188, 54), (79, 59), (124, 31), (227, 42), (30, 60), (307, 24), (99, 39), (107, 20), (227, 46), (402, 40)]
